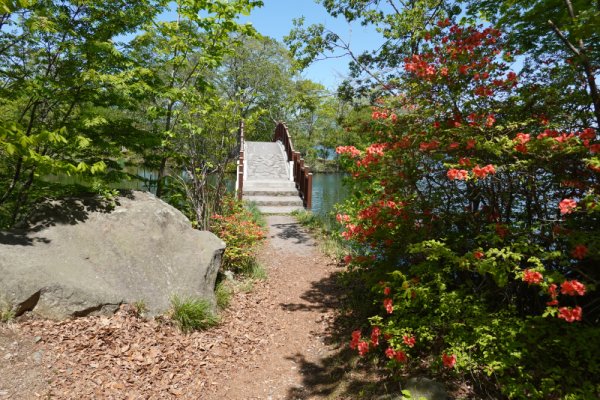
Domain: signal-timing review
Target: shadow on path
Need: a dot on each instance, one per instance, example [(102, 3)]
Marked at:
[(335, 374), (293, 231), (323, 295)]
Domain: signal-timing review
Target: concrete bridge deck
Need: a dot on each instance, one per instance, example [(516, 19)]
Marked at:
[(267, 180)]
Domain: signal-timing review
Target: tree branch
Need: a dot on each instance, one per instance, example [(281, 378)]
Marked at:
[(564, 39)]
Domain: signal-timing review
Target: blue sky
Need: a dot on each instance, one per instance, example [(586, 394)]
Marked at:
[(274, 19)]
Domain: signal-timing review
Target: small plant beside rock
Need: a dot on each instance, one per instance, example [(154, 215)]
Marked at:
[(6, 314), (192, 314), (223, 293), (140, 308)]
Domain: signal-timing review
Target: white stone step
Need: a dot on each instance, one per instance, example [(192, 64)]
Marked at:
[(270, 192), (279, 210), (259, 185), (275, 200)]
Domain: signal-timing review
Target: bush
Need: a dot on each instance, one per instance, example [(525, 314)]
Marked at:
[(239, 228), (475, 219), (192, 314)]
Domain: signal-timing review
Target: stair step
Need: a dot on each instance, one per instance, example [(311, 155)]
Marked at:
[(275, 200), (279, 210), (259, 182), (270, 192)]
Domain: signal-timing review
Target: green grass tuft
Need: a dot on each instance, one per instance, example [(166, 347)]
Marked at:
[(7, 315), (223, 293), (257, 216), (192, 314), (255, 271), (326, 230), (140, 308)]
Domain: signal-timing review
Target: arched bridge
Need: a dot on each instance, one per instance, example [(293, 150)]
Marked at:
[(273, 174)]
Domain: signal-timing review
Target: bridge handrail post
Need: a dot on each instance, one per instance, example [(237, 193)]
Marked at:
[(309, 191), (300, 172), (301, 176)]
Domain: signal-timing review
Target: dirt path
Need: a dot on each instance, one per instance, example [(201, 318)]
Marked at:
[(301, 305), (274, 342)]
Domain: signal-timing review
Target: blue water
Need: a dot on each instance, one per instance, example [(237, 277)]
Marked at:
[(327, 191)]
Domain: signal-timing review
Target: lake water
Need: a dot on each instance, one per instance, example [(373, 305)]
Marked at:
[(328, 189)]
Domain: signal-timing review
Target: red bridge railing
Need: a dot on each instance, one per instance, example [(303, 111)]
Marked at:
[(301, 173)]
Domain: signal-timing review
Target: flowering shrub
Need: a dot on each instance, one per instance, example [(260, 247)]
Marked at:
[(477, 217), (238, 228)]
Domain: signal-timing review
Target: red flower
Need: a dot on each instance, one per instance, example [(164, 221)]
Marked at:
[(595, 148), (523, 138), (375, 336), (400, 356), (355, 339), (409, 340), (387, 291), (478, 255), (521, 148), (532, 277), (342, 218), (471, 144), (347, 259), (448, 361), (388, 305), (588, 134), (426, 146), (570, 314), (464, 161), (567, 206), (553, 290), (459, 174), (572, 288), (363, 348), (490, 121), (353, 151), (482, 172), (389, 352), (580, 251)]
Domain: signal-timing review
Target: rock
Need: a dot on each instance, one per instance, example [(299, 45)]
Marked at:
[(421, 387), (229, 276), (81, 256)]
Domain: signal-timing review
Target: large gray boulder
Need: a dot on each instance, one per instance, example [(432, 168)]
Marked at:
[(81, 256)]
